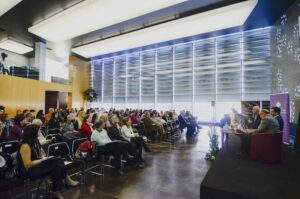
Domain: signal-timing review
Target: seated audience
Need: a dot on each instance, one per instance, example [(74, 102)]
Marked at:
[(18, 113), (134, 138), (114, 133), (81, 115), (17, 129), (275, 112), (32, 162), (29, 115), (6, 126), (49, 115), (54, 122), (105, 121), (2, 109), (41, 137), (108, 147), (86, 129), (40, 115), (68, 129)]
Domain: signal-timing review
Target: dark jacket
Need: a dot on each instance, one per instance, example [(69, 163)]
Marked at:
[(255, 122), (280, 122), (182, 122), (114, 133)]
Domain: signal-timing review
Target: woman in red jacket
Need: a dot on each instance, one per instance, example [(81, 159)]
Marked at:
[(86, 128)]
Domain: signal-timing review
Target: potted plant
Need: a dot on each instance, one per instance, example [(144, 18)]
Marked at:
[(90, 95)]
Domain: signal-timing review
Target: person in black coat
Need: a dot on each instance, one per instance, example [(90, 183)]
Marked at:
[(114, 133), (275, 112)]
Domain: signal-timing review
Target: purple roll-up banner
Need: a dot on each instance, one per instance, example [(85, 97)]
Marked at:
[(283, 102)]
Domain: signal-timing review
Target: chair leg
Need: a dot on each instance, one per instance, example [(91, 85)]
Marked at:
[(27, 189)]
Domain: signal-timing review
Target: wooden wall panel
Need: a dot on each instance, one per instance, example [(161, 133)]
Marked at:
[(79, 73), (20, 93)]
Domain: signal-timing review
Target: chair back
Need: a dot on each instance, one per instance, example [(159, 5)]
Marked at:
[(9, 147), (55, 138), (59, 150), (53, 131), (76, 143), (266, 147)]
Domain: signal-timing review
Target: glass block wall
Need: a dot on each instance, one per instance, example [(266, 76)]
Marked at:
[(225, 69)]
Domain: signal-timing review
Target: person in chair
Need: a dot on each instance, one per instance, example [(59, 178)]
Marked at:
[(275, 112), (268, 124), (255, 119)]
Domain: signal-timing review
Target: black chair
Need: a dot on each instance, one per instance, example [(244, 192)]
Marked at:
[(53, 131), (59, 150), (56, 138), (76, 143), (9, 147)]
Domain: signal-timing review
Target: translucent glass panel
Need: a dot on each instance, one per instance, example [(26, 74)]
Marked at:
[(256, 65), (108, 71), (183, 73), (148, 78), (229, 68), (204, 111), (204, 70), (133, 80), (223, 108), (120, 80), (189, 76), (164, 75), (96, 71)]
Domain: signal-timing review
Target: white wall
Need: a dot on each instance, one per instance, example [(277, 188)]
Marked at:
[(57, 60)]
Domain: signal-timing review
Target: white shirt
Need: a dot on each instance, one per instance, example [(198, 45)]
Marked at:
[(127, 132), (100, 137)]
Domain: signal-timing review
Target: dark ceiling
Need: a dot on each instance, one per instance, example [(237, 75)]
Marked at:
[(16, 21)]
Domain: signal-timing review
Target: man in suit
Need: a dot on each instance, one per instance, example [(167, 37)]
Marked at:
[(255, 121), (275, 112), (268, 124)]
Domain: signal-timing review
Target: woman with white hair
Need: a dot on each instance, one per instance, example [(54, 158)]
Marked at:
[(41, 138)]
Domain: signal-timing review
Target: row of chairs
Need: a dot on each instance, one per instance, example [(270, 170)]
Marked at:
[(60, 149), (172, 130)]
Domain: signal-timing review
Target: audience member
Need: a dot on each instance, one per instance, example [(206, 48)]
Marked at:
[(40, 115), (108, 147), (34, 165), (86, 128), (41, 137), (49, 115), (134, 138), (6, 126), (17, 129), (54, 122)]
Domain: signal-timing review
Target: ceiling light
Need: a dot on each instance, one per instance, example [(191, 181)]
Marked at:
[(91, 15), (218, 19), (13, 46), (6, 5)]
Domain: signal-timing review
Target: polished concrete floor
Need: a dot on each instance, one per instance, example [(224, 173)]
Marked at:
[(172, 171)]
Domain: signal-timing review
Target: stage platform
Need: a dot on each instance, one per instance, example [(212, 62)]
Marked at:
[(234, 176)]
